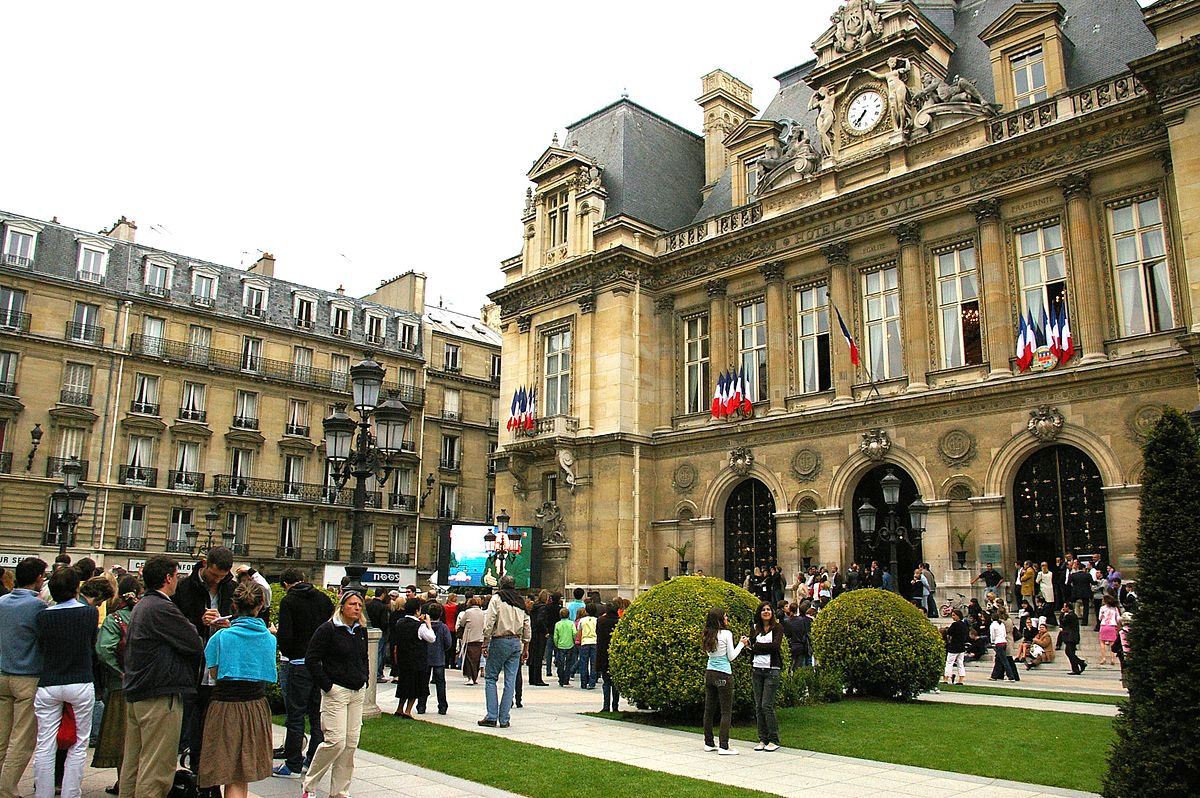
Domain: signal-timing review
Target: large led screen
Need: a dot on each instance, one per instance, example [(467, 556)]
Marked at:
[(466, 561)]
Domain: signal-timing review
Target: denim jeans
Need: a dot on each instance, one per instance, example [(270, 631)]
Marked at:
[(765, 682), (606, 684), (383, 656), (303, 698), (549, 657), (587, 666), (562, 664), (437, 677), (504, 656)]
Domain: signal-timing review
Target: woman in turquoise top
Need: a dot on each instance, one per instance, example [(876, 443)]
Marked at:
[(237, 728), (718, 677)]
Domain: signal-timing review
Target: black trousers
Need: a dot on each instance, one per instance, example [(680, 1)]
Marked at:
[(1075, 661), (537, 651), (718, 701), (194, 709)]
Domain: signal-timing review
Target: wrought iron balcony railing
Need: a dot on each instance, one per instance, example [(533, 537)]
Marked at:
[(54, 468), (328, 555), (203, 301), (288, 552), (245, 422), (6, 462), (8, 389), (297, 429), (178, 546), (450, 464), (145, 408), (187, 414), (284, 490), (157, 291), (73, 397), (51, 537), (18, 261), (192, 481), (137, 475), (240, 549), (87, 333), (402, 502), (366, 557), (131, 543), (397, 558), (452, 415), (13, 321)]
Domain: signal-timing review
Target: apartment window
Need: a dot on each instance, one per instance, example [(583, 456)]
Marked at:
[(191, 404), (452, 404), (254, 300), (297, 423), (752, 346), (750, 172), (368, 542), (12, 306), (450, 451), (550, 487), (408, 336), (1140, 260), (696, 363), (302, 360), (406, 376), (448, 501), (133, 526), (557, 219), (398, 545), (70, 444), (453, 357), (339, 320), (303, 312), (881, 297), (8, 373), (77, 384), (181, 524), (204, 288), (241, 463), (157, 279), (1029, 76), (495, 416), (340, 366), (496, 368), (145, 394), (327, 538), (92, 264), (491, 504), (1043, 270), (18, 247), (293, 475), (140, 461), (245, 414), (187, 467), (239, 525), (251, 354), (199, 344), (958, 303), (376, 329), (85, 325), (557, 395), (289, 536)]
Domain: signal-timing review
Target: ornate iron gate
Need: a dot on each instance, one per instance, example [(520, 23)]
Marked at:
[(1059, 506), (749, 529)]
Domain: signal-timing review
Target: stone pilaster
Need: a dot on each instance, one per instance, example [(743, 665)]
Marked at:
[(777, 321), (1086, 307), (912, 305), (838, 257), (718, 326), (997, 306)]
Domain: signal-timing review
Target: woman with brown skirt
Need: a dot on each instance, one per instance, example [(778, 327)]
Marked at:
[(237, 727), (110, 652)]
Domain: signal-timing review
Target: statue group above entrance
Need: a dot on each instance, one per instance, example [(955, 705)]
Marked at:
[(856, 24)]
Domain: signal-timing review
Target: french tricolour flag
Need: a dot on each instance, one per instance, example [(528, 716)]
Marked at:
[(849, 338)]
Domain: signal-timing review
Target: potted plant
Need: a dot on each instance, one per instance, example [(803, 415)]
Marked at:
[(961, 539), (807, 547), (681, 551)]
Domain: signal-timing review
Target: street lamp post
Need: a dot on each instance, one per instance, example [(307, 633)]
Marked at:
[(354, 451), (891, 532), (66, 502), (502, 542)]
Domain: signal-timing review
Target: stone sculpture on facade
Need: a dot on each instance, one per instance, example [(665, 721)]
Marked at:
[(554, 528), (875, 444), (856, 24), (566, 461), (792, 147), (949, 101), (1045, 423), (896, 78), (824, 102), (741, 460)]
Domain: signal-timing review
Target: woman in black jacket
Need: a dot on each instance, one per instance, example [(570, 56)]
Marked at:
[(956, 648), (604, 633), (765, 671)]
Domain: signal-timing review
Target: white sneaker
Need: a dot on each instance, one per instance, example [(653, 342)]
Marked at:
[(728, 752), (710, 748), (770, 747), (759, 747)]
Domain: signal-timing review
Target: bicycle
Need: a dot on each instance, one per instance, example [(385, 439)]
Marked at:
[(950, 605)]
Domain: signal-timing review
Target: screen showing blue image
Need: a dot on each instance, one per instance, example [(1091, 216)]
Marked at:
[(470, 564)]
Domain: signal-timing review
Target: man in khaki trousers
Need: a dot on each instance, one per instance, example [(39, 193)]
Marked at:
[(163, 655), (20, 667)]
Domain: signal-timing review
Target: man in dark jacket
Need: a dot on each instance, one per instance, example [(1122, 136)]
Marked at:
[(1079, 589), (1069, 635), (379, 616), (853, 577), (206, 599), (301, 611), (540, 627), (163, 653)]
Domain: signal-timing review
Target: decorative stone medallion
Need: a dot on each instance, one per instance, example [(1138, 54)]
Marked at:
[(1045, 423), (1142, 420), (875, 444), (957, 447), (806, 465), (740, 460), (684, 478)]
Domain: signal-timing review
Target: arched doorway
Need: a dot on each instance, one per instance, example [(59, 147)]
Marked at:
[(869, 488), (749, 529), (1058, 506)]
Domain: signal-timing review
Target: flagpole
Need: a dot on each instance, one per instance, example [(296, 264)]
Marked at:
[(870, 377)]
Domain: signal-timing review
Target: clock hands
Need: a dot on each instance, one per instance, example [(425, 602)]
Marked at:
[(860, 116)]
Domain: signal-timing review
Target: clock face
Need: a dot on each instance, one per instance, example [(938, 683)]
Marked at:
[(865, 110)]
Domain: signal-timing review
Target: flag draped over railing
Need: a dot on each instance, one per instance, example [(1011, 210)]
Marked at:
[(522, 414), (1053, 335), (731, 395)]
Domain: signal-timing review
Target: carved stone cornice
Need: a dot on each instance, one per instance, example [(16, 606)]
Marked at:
[(524, 322), (907, 233), (987, 211), (587, 303), (716, 289), (664, 304), (618, 266), (1172, 74), (837, 253), (1164, 157), (772, 272), (1076, 186)]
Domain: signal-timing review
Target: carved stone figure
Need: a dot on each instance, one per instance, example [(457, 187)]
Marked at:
[(855, 24), (566, 461), (554, 528), (823, 101), (807, 159), (1045, 423), (518, 468), (875, 444), (896, 78), (938, 97), (741, 460), (528, 201), (791, 146)]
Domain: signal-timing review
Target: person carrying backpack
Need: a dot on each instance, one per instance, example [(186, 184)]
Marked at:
[(110, 652)]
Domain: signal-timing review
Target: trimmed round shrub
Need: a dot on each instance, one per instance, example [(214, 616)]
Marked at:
[(657, 657), (880, 644)]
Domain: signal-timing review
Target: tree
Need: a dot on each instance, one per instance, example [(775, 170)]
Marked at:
[(1158, 729)]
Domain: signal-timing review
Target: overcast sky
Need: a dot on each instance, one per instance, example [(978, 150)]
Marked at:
[(354, 140)]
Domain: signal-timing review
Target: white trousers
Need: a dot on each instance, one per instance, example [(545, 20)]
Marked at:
[(48, 707), (955, 662)]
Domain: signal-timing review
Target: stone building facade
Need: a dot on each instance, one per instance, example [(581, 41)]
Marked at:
[(940, 174), (186, 386)]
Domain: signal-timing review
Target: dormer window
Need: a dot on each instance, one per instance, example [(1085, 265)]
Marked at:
[(204, 287), (376, 329), (339, 320), (302, 311), (93, 260), (556, 219), (19, 241), (1029, 76), (750, 172), (157, 279), (254, 300), (408, 337)]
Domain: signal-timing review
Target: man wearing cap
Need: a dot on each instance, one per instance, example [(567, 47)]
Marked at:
[(506, 635)]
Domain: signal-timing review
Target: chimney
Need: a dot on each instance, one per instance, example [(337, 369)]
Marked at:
[(123, 230), (726, 102), (341, 290), (265, 265), (403, 292)]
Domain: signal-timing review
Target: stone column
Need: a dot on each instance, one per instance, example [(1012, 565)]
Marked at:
[(1086, 307), (787, 536), (718, 327), (777, 321), (554, 565), (935, 541), (664, 312), (833, 539), (704, 546), (913, 326), (838, 257), (997, 305), (370, 708)]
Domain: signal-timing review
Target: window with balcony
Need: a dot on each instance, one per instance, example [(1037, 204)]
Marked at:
[(18, 246), (186, 475), (958, 306), (77, 385), (402, 495), (340, 378), (327, 541), (452, 360), (1142, 276), (490, 509), (1029, 76), (154, 334), (696, 368), (138, 468), (93, 263), (339, 320), (557, 396), (450, 452), (177, 532), (302, 311), (448, 501), (241, 468), (245, 414), (199, 344), (452, 404), (254, 300), (237, 525), (204, 289), (145, 395), (752, 347), (132, 534), (293, 476), (8, 373), (157, 279), (191, 405), (812, 331), (70, 444), (398, 545), (302, 360), (289, 538), (12, 310), (495, 368), (1043, 271), (409, 338), (251, 354), (376, 329), (297, 423), (491, 462), (881, 298), (85, 324)]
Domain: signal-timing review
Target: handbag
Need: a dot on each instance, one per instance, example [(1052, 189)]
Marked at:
[(184, 785), (67, 731)]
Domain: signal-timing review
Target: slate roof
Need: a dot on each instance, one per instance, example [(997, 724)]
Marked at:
[(460, 325), (652, 168)]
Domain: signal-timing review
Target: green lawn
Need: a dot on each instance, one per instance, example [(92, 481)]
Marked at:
[(1056, 748), (523, 768), (1049, 695)]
